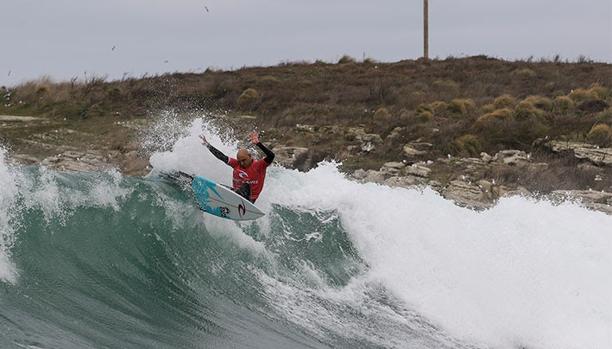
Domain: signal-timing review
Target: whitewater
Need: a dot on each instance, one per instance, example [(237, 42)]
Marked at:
[(97, 260)]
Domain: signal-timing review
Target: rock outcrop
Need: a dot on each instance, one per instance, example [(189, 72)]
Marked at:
[(77, 161), (596, 155)]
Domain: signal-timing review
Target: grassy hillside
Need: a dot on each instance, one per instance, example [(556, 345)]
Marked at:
[(461, 106)]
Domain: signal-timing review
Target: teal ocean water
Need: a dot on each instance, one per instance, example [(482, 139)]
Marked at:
[(98, 260)]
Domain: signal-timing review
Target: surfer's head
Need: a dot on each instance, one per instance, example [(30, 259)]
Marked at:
[(244, 158)]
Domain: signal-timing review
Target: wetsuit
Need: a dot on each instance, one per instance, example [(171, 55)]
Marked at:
[(247, 182)]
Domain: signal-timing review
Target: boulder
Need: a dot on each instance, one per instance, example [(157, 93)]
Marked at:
[(305, 128), (485, 185), (395, 135), (512, 157), (411, 151), (77, 161), (594, 154), (595, 200), (417, 170), (299, 158), (486, 157), (368, 141), (403, 181), (359, 174), (353, 133), (374, 176), (392, 168), (537, 167), (466, 194), (520, 191)]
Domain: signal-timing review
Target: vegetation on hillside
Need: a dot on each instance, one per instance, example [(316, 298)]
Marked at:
[(461, 106)]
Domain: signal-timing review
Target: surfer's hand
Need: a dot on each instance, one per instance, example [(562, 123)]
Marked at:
[(254, 137), (203, 140)]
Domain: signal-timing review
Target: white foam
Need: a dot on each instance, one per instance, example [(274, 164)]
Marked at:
[(190, 156), (8, 195), (524, 273)]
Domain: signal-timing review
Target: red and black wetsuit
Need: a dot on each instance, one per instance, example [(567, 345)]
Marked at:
[(248, 182)]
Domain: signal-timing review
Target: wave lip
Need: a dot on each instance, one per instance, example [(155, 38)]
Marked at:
[(8, 198)]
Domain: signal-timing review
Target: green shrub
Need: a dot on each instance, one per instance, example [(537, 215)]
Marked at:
[(424, 107), (346, 59), (526, 110), (599, 91), (424, 116), (600, 134), (248, 98), (605, 116), (468, 144), (424, 113), (461, 106), (563, 103), (542, 103), (504, 101), (438, 107)]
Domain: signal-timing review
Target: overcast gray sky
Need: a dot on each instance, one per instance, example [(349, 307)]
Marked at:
[(66, 38)]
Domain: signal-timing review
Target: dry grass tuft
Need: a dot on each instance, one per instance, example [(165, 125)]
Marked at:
[(563, 104), (269, 80), (487, 108), (247, 99), (438, 107), (542, 103), (382, 115), (605, 116), (524, 73), (582, 95), (504, 114), (600, 134), (446, 87), (424, 113), (504, 101), (526, 110), (461, 106), (599, 91), (467, 145)]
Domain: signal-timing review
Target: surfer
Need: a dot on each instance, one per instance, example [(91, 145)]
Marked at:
[(249, 174)]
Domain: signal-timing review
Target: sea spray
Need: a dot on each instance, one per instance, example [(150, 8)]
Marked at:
[(8, 197)]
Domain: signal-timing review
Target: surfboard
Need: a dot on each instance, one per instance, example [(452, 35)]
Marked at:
[(217, 199)]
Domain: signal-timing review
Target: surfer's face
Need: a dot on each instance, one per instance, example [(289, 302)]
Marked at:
[(244, 158)]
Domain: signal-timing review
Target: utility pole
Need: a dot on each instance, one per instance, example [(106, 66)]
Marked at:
[(426, 31)]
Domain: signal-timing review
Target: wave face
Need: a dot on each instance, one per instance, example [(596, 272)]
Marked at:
[(95, 260)]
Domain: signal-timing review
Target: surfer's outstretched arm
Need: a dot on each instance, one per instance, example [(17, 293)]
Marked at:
[(269, 154), (216, 152)]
